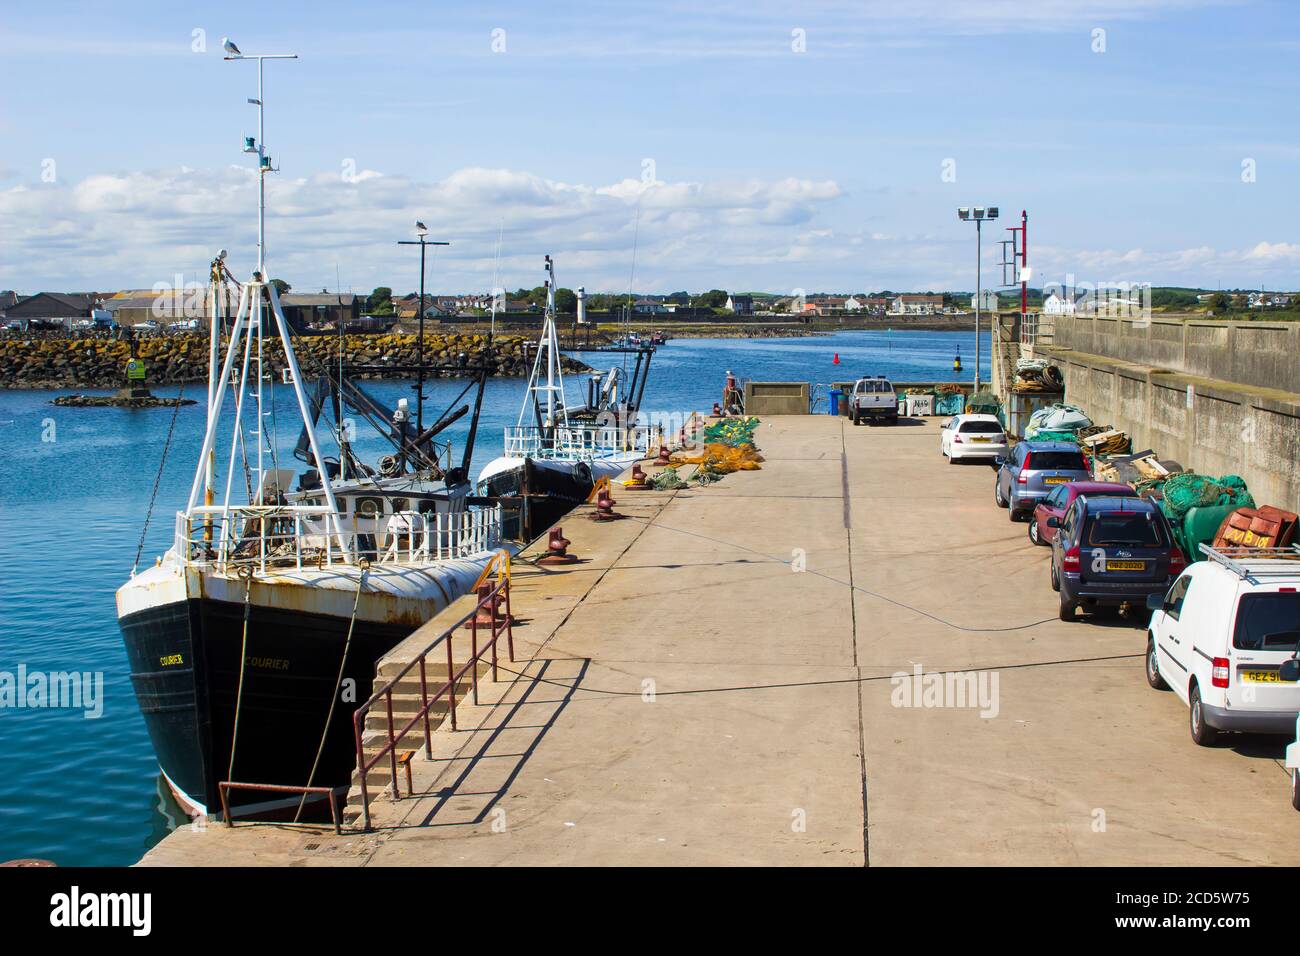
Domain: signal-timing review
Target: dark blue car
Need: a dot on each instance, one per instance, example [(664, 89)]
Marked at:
[(1110, 551)]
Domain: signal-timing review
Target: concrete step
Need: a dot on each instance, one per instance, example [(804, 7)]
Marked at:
[(435, 666), (409, 686)]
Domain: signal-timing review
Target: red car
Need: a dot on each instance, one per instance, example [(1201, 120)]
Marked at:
[(1060, 499)]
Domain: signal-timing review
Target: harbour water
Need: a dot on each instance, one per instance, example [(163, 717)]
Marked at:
[(75, 485)]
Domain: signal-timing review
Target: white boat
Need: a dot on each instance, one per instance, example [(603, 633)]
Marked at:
[(554, 454), (265, 618)]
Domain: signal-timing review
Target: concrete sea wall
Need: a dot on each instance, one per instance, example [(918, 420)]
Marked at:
[(1211, 425), (1258, 353)]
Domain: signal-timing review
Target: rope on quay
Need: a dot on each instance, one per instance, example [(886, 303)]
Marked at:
[(854, 587), (1023, 665), (338, 683)]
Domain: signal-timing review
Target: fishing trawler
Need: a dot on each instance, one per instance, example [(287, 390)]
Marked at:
[(555, 454), (250, 636)]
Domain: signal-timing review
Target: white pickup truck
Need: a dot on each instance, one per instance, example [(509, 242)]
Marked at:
[(873, 397)]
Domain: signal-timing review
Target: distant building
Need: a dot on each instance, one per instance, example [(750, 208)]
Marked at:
[(1059, 304), (988, 300), (409, 308), (53, 308), (1107, 302), (740, 304), (822, 305), (169, 308), (1268, 300), (916, 305), (304, 309), (650, 307)]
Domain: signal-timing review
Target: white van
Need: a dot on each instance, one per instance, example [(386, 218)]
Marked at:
[(1219, 636)]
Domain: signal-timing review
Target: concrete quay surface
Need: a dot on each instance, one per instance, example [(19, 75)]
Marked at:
[(687, 695)]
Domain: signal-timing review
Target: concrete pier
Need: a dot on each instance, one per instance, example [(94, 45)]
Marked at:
[(714, 684)]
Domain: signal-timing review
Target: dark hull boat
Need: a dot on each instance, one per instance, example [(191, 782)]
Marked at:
[(553, 462), (185, 666), (254, 638), (544, 490), (302, 650)]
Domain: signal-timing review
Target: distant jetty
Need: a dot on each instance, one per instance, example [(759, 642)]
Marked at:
[(123, 398), (172, 359)]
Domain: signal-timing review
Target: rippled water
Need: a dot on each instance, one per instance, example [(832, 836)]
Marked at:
[(75, 486)]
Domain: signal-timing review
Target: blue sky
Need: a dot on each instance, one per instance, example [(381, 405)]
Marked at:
[(697, 132)]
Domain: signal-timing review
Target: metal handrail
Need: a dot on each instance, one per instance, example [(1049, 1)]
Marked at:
[(574, 441), (225, 786), (296, 535), (489, 599)]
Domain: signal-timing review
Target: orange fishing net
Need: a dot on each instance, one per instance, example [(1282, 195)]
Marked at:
[(722, 459)]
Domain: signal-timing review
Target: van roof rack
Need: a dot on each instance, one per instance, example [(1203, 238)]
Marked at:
[(1252, 563)]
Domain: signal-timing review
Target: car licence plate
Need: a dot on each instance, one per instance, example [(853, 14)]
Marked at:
[(1126, 565), (980, 439), (1262, 677), (1055, 481)]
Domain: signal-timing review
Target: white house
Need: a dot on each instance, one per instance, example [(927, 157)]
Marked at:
[(916, 305), (740, 304), (988, 300), (1058, 304)]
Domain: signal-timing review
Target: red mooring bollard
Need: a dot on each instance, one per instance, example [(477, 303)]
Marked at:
[(486, 615), (605, 507), (664, 457), (717, 411), (557, 549), (638, 482)]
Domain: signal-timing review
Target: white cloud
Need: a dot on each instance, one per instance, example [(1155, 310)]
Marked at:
[(131, 230), (134, 229)]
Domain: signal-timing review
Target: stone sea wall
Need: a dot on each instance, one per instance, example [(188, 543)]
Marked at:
[(171, 359)]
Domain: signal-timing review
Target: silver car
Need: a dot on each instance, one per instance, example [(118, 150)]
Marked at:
[(1033, 468)]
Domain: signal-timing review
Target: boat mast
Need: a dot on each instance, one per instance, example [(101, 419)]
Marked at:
[(257, 298), (548, 350)]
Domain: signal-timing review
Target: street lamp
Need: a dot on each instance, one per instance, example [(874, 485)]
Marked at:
[(979, 214), (421, 239)]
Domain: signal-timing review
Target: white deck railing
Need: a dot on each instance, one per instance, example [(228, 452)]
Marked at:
[(575, 442), (278, 537)]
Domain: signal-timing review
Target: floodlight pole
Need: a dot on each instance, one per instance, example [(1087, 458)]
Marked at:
[(979, 214), (979, 258), (422, 242)]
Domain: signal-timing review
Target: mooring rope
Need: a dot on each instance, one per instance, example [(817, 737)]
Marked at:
[(243, 660), (153, 496), (338, 683)]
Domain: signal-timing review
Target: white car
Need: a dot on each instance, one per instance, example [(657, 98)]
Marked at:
[(1219, 637), (972, 436)]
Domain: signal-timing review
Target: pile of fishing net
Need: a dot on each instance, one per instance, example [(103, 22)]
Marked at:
[(719, 459), (666, 480), (1057, 422), (1187, 490), (731, 431), (983, 403)]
